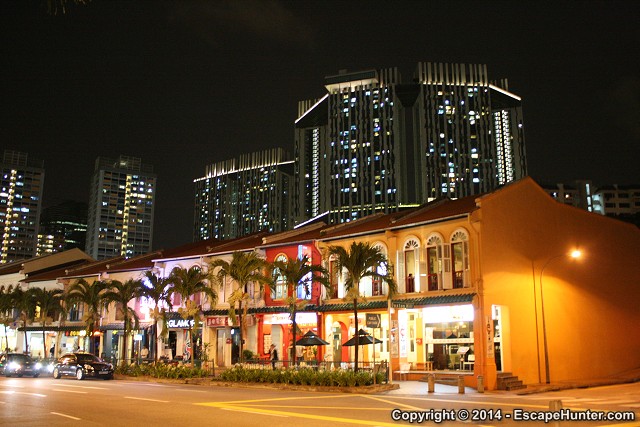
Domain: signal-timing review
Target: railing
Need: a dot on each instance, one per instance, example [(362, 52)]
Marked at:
[(458, 279), (433, 281)]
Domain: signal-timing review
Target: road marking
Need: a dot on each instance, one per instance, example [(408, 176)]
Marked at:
[(81, 386), (478, 402), (298, 415), (275, 399), (22, 392), (66, 416), (145, 399), (69, 391), (350, 408), (253, 412), (394, 404), (192, 391)]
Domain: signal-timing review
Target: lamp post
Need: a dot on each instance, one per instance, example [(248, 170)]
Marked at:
[(575, 254)]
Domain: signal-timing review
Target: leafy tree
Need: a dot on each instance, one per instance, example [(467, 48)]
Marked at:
[(187, 283), (359, 261), (242, 269), (24, 302), (157, 289), (49, 302), (299, 272), (6, 310), (121, 293), (92, 296)]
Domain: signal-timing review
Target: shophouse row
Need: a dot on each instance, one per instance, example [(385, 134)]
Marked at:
[(486, 287)]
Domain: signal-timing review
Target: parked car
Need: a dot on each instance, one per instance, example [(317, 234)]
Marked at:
[(82, 365), (19, 364)]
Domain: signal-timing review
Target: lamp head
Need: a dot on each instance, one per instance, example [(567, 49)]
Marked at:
[(575, 254)]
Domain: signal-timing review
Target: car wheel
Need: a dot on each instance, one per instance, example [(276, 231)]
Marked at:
[(56, 373), (19, 375), (80, 374), (110, 377), (36, 375)]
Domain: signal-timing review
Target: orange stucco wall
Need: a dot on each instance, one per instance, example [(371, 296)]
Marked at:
[(591, 305)]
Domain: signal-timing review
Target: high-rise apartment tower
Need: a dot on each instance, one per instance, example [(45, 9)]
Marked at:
[(241, 196), (121, 207), (21, 185), (374, 143)]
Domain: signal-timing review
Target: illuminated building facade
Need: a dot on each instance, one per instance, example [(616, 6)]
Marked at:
[(121, 207), (62, 227), (244, 195), (22, 181), (374, 143)]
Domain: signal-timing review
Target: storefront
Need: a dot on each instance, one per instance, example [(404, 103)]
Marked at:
[(277, 329)]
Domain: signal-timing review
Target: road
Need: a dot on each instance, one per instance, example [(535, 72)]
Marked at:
[(68, 402)]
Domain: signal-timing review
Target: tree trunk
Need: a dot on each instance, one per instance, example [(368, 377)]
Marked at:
[(125, 342), (193, 345), (293, 349), (241, 332), (355, 315)]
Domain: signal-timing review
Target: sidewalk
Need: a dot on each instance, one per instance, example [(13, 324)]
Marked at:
[(420, 387)]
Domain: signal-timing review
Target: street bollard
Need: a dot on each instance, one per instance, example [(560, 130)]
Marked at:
[(555, 405), (460, 384), (480, 384), (431, 382)]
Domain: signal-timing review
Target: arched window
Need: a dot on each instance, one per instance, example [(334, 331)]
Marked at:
[(334, 277), (280, 291), (460, 255), (436, 261), (409, 264), (376, 282)]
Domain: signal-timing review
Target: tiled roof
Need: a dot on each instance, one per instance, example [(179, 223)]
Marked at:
[(347, 306), (437, 210)]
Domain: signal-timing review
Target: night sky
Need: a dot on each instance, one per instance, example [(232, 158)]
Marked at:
[(184, 84)]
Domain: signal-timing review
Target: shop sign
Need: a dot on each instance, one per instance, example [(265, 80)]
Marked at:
[(373, 320), (217, 321), (285, 319), (402, 305), (180, 323)]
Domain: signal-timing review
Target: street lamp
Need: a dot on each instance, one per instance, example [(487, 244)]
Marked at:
[(575, 254)]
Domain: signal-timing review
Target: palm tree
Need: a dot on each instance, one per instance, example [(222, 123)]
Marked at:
[(360, 261), (121, 293), (6, 311), (91, 295), (243, 268), (50, 304), (157, 289), (24, 302), (299, 272), (187, 283)]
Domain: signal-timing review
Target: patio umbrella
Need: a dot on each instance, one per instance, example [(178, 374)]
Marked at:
[(311, 338), (363, 338)]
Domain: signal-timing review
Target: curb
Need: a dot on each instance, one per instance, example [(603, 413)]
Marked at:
[(371, 389)]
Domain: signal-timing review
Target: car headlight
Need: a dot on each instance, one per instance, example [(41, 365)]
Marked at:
[(50, 368), (14, 366), (89, 368), (38, 366)]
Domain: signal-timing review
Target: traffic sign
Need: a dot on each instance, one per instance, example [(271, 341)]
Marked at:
[(373, 320)]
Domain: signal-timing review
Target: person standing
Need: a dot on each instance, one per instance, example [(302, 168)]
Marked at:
[(273, 355)]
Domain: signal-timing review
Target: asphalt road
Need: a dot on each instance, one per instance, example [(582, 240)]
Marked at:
[(68, 402)]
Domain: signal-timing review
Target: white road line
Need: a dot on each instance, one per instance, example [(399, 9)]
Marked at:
[(253, 412), (69, 391), (22, 392), (148, 400), (81, 386), (66, 416), (193, 391)]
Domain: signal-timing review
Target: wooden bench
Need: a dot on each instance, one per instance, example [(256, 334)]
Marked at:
[(405, 368)]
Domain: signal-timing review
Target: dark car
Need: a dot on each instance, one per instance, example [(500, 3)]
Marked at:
[(82, 365), (19, 364)]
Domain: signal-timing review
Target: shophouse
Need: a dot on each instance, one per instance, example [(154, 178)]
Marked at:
[(217, 330), (486, 286), (40, 272)]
